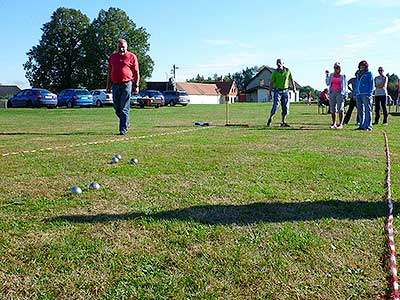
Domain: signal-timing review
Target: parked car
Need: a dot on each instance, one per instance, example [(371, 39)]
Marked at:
[(176, 97), (34, 97), (134, 100), (101, 97), (148, 98), (75, 97)]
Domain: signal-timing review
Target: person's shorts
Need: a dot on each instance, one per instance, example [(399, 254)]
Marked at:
[(336, 102)]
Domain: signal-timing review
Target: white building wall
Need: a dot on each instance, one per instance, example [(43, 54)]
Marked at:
[(262, 95), (204, 99)]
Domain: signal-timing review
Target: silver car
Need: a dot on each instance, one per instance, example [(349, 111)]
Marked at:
[(101, 98)]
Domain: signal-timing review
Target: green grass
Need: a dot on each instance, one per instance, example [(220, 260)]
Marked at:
[(209, 213)]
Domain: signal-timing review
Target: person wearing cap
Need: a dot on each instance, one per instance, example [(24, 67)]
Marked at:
[(337, 85), (279, 83), (364, 88), (381, 82)]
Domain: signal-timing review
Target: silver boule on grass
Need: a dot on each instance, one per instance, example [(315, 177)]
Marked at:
[(76, 190), (94, 186), (114, 160), (118, 156), (134, 161)]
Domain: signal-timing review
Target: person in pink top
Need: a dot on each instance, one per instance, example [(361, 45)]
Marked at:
[(337, 85), (123, 69)]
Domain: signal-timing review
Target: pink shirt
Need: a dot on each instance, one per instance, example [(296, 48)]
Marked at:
[(336, 85), (123, 68)]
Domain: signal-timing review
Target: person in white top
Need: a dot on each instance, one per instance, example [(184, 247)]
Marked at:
[(381, 82)]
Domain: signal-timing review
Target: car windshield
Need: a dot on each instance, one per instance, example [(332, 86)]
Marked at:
[(82, 92), (41, 91), (183, 94)]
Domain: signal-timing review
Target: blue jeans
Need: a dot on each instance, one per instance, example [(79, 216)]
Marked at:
[(281, 96), (121, 98), (364, 107)]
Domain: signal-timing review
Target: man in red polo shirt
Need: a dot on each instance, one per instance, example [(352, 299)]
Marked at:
[(123, 71)]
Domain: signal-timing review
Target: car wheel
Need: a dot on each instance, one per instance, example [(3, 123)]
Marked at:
[(99, 103), (184, 104), (69, 104), (9, 104), (172, 103), (29, 104)]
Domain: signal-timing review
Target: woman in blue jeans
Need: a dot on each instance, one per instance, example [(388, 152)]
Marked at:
[(363, 91)]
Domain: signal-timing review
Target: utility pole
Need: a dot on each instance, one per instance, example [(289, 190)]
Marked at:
[(174, 68)]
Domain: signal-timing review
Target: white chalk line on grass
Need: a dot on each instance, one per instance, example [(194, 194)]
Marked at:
[(99, 142)]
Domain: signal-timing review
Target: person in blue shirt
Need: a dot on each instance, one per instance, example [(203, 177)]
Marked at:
[(363, 90)]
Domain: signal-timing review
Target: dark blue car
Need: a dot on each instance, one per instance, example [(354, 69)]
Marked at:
[(75, 97), (34, 97)]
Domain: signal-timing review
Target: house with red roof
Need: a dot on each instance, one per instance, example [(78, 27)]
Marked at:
[(202, 93)]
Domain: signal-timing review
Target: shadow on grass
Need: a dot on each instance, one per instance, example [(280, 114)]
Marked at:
[(269, 212)]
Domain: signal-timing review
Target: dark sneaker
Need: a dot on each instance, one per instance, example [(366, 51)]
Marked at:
[(284, 124), (269, 122), (123, 132)]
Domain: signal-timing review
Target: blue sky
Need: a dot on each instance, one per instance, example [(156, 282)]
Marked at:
[(207, 37)]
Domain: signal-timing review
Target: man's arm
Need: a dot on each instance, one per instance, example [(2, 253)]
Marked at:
[(271, 87), (108, 83), (293, 83), (136, 76)]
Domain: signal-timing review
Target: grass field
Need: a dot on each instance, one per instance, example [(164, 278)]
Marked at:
[(208, 213)]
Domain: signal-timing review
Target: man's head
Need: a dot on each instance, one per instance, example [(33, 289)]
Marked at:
[(279, 63), (122, 46)]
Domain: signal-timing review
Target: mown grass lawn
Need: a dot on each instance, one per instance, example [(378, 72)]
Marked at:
[(208, 213)]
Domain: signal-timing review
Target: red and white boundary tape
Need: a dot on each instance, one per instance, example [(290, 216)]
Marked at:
[(390, 227), (98, 142)]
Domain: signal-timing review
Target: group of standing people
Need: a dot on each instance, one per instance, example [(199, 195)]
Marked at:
[(123, 78), (362, 87)]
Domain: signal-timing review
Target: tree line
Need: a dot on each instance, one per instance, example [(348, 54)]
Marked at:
[(73, 52), (242, 78)]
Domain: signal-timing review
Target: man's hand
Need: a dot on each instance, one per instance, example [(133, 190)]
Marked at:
[(136, 90), (108, 90)]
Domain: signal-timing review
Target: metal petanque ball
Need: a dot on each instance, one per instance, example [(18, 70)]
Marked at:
[(118, 156), (134, 161), (94, 186), (114, 160), (76, 190)]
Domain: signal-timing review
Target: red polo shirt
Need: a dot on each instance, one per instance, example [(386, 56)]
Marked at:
[(123, 68)]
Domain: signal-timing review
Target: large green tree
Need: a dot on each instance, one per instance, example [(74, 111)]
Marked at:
[(103, 35), (73, 52), (57, 62), (304, 90)]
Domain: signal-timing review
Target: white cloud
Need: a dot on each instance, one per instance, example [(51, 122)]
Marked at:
[(246, 46), (379, 3), (345, 2), (218, 42), (223, 42), (393, 28), (355, 43)]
